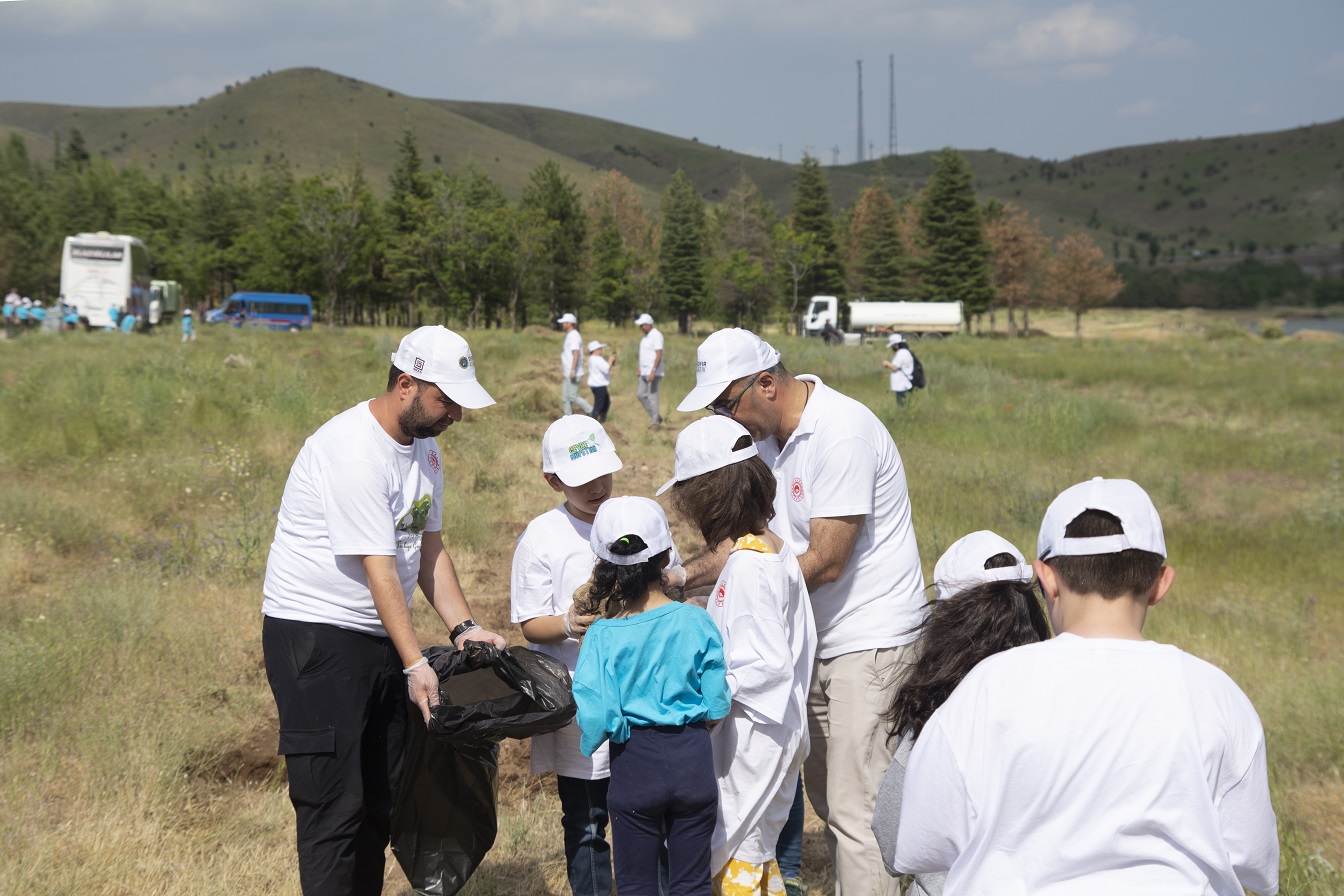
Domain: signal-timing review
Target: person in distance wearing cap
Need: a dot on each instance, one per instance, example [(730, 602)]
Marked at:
[(650, 369), (359, 527), (1097, 761), (986, 603), (902, 367), (599, 379), (571, 366), (188, 326), (843, 507)]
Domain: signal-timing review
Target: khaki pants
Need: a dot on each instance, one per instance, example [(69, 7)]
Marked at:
[(850, 754)]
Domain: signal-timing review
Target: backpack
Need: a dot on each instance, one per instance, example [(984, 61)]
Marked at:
[(917, 378)]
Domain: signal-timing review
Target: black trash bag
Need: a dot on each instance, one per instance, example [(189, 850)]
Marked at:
[(444, 821)]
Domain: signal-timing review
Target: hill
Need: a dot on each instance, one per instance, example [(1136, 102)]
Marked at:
[(1277, 190)]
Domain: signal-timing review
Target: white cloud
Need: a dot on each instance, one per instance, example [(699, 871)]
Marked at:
[(1144, 108), (647, 19), (1077, 34), (1332, 66)]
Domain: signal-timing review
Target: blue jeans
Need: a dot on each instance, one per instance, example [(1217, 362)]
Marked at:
[(789, 849), (583, 807)]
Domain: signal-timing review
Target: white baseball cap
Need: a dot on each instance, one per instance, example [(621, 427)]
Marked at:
[(643, 319), (595, 345), (707, 445), (186, 312), (631, 515), (723, 357), (962, 565), (578, 450), (566, 318), (894, 339), (442, 357), (1123, 499)]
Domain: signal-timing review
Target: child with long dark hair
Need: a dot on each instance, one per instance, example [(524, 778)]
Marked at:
[(650, 676), (985, 603), (760, 604)]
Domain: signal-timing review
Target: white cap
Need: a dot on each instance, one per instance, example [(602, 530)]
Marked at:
[(595, 345), (643, 319), (723, 357), (1123, 499), (37, 303), (186, 312), (894, 339), (442, 357), (630, 515), (567, 318), (578, 450), (707, 445), (962, 565)]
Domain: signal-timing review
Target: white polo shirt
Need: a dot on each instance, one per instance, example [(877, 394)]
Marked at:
[(649, 347), (573, 343), (599, 371), (841, 461)]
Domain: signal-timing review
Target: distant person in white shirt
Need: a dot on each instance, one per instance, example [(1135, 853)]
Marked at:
[(902, 367), (843, 508), (1096, 762), (571, 366), (599, 379), (650, 369)]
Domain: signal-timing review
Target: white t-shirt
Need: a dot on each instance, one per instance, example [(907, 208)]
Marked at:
[(551, 559), (599, 371), (761, 607), (841, 461), (573, 343), (353, 491), (902, 378), (1086, 766), (649, 347)]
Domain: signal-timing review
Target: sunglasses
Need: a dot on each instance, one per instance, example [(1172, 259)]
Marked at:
[(728, 407)]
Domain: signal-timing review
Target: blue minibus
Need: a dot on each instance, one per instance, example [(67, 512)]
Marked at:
[(272, 310)]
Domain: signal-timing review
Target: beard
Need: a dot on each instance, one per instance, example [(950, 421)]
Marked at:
[(418, 423)]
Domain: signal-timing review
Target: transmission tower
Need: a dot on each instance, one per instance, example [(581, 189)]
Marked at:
[(859, 63), (835, 156), (891, 120)]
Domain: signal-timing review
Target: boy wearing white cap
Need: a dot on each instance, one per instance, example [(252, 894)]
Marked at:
[(842, 506), (760, 605), (650, 677), (551, 560), (902, 367), (986, 603), (650, 369), (599, 379), (1096, 762), (358, 528), (571, 366)]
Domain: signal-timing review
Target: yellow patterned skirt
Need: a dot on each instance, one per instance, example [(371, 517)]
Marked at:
[(740, 878)]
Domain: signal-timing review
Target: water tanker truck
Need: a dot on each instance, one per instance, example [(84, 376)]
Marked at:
[(915, 319)]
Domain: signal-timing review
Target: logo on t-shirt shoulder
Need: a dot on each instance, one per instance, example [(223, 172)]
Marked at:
[(434, 461), (720, 594), (796, 490)]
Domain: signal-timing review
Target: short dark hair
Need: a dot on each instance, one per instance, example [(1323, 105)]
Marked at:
[(613, 588), (394, 372), (729, 502), (778, 371), (1128, 573)]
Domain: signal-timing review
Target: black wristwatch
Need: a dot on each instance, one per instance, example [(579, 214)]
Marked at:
[(461, 629)]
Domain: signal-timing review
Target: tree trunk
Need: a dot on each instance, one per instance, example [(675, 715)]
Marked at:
[(1012, 324), (1077, 325), (1026, 321)]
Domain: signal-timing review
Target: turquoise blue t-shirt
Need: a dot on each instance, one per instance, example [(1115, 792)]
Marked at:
[(127, 323), (186, 325), (661, 667)]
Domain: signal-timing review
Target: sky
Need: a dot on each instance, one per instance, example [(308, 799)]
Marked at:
[(773, 78)]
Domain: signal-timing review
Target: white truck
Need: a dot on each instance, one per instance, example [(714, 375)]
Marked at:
[(866, 318)]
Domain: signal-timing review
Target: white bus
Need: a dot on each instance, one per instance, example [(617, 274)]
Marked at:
[(100, 270)]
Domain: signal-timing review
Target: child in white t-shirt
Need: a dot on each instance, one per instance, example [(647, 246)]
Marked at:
[(552, 559), (599, 379), (985, 603), (760, 604), (1095, 762)]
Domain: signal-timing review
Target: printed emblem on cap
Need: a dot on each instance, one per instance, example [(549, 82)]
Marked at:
[(464, 362), (586, 447), (720, 594), (700, 366), (419, 365), (796, 491), (434, 460)]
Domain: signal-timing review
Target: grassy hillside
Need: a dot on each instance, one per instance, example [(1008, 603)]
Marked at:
[(1275, 190)]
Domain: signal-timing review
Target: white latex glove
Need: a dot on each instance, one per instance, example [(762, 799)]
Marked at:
[(422, 684)]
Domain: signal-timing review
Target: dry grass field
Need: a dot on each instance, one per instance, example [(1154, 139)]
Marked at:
[(139, 479)]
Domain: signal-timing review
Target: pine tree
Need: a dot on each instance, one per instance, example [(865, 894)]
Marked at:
[(681, 251), (742, 258), (957, 265), (551, 192), (611, 290), (813, 214), (878, 263)]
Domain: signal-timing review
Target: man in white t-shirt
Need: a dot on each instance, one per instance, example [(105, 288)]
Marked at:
[(359, 527), (843, 507), (571, 366), (1096, 762), (650, 369), (902, 367)]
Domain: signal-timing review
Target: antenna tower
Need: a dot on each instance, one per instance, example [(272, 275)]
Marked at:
[(859, 63), (891, 126)]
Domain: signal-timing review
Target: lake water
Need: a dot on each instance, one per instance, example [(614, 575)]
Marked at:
[(1329, 324)]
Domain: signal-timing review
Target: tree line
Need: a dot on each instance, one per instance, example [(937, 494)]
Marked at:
[(452, 247)]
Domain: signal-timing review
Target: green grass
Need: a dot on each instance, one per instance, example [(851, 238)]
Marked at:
[(139, 477)]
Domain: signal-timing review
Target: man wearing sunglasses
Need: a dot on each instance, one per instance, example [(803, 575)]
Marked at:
[(842, 505)]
